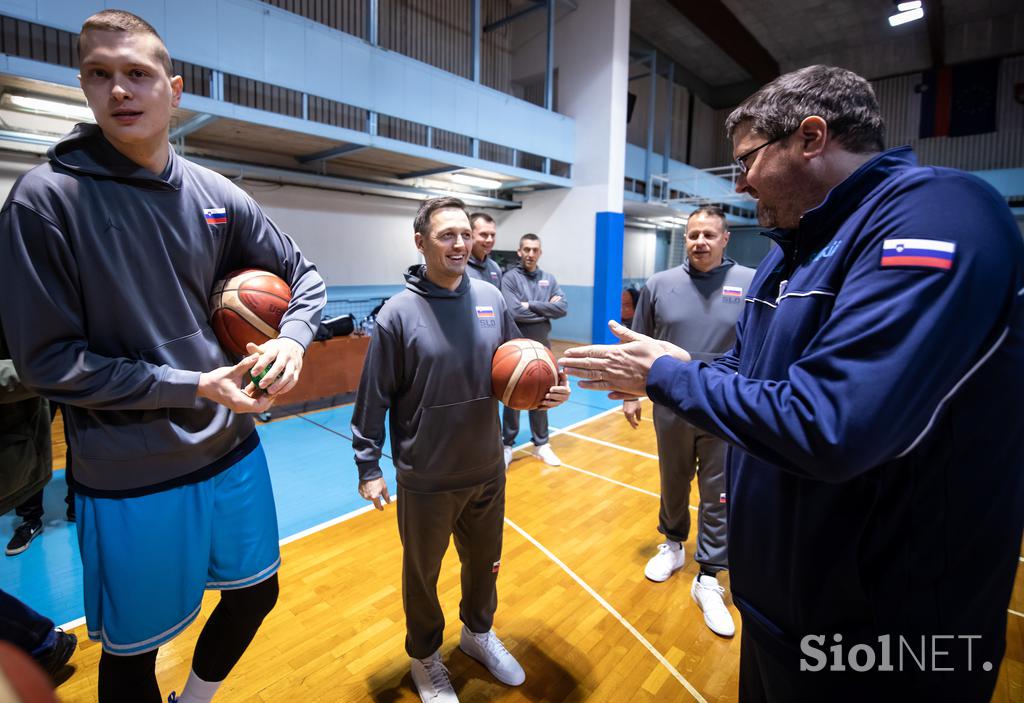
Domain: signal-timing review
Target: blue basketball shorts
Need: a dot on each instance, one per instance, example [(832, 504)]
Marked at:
[(147, 560)]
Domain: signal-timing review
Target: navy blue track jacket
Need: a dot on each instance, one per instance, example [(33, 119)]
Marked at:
[(876, 477)]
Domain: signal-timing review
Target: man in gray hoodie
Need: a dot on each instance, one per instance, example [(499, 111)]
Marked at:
[(429, 364), (108, 254), (695, 306), (535, 299), (480, 264)]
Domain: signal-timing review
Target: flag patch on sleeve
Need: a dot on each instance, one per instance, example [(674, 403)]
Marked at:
[(215, 216), (495, 566), (918, 253), (484, 311)]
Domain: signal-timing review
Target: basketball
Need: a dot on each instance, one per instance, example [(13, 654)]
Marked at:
[(21, 679), (247, 306), (522, 372)]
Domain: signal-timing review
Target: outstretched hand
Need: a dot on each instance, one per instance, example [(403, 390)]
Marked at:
[(619, 368)]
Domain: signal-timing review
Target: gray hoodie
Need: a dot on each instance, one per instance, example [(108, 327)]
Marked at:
[(105, 272), (486, 270), (429, 363), (693, 309), (536, 288)]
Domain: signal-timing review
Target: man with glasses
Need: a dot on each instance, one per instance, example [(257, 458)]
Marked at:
[(872, 399)]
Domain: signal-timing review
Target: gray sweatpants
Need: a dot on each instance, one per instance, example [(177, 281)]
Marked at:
[(426, 523), (680, 446), (510, 426)]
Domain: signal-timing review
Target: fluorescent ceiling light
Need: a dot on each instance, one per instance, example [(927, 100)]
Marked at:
[(908, 6), (475, 181), (904, 17), (44, 106)]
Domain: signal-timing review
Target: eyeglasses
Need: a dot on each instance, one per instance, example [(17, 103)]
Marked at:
[(741, 160)]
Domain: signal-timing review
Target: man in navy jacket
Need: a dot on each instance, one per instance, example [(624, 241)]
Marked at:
[(872, 400)]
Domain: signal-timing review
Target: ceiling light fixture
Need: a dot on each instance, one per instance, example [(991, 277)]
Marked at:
[(45, 106), (908, 6), (475, 181), (904, 17)]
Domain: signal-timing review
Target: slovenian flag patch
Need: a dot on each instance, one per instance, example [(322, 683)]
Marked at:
[(484, 311), (732, 292), (918, 253), (215, 216)]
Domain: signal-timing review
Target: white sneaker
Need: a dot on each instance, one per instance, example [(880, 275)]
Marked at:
[(431, 680), (666, 562), (489, 651), (508, 456), (707, 594), (546, 454)]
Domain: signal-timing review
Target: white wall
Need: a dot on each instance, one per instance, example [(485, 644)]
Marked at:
[(638, 253), (353, 239)]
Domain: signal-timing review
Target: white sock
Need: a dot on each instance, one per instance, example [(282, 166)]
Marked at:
[(197, 690)]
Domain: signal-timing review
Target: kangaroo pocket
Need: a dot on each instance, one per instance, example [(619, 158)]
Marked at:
[(131, 434), (457, 438)]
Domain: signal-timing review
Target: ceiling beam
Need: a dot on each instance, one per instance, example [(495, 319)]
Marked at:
[(330, 153), (428, 172), (191, 125), (722, 27), (936, 33), (715, 97)]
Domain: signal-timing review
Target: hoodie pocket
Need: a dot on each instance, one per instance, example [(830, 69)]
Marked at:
[(457, 438), (172, 429)]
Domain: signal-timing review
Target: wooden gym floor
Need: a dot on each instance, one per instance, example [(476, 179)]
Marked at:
[(574, 606)]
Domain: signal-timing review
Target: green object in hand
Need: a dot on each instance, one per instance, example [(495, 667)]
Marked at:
[(256, 379)]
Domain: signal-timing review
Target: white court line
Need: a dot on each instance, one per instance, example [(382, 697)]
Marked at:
[(608, 606), (331, 523), (612, 445), (72, 624), (1014, 612), (573, 426), (612, 480)]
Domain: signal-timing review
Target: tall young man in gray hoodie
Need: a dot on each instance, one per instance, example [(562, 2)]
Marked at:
[(535, 299), (429, 364), (108, 254), (695, 306)]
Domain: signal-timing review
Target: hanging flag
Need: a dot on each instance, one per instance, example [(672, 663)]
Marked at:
[(959, 100)]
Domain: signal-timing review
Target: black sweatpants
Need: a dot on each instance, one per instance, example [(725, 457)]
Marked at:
[(426, 524)]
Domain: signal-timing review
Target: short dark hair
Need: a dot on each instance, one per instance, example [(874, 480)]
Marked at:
[(712, 211), (422, 222), (480, 216), (842, 98), (529, 236), (124, 21)]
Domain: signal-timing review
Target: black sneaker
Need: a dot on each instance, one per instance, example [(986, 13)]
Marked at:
[(54, 658), (23, 536)]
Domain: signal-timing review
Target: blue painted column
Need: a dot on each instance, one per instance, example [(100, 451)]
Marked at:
[(609, 233)]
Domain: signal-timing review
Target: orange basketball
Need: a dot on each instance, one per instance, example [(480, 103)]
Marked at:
[(26, 681), (522, 371), (247, 306)]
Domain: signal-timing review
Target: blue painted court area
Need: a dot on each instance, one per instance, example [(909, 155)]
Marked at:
[(315, 480)]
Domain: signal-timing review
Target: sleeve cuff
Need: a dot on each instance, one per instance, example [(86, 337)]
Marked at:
[(661, 376), (178, 389), (298, 331), (369, 471)]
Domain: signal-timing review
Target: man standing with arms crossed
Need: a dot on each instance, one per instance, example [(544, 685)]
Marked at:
[(695, 306), (429, 364), (173, 492), (534, 299), (481, 265)]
